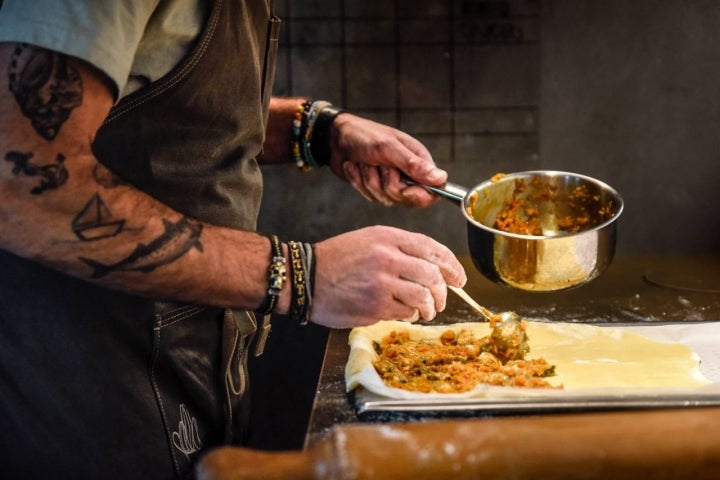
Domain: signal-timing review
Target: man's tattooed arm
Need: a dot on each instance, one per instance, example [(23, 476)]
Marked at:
[(59, 206)]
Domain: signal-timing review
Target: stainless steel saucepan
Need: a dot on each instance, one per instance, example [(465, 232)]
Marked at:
[(539, 230)]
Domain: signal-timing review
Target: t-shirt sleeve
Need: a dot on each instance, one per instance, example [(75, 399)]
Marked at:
[(104, 33)]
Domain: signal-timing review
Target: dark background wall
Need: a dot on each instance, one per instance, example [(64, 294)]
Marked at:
[(625, 91), (630, 93)]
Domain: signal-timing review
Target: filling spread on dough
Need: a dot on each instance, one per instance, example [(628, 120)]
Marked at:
[(457, 362)]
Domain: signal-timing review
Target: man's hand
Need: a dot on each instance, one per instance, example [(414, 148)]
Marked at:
[(373, 157), (381, 273)]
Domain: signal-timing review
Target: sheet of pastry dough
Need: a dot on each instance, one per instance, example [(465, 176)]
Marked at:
[(589, 360)]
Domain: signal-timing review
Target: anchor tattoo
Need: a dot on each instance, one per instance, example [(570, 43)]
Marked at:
[(53, 175)]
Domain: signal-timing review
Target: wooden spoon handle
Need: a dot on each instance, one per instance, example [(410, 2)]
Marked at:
[(487, 314)]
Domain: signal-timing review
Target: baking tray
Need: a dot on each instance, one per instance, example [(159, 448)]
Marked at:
[(702, 337), (374, 407)]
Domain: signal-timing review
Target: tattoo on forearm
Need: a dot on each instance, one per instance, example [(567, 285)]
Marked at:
[(46, 87), (95, 221), (52, 175), (176, 241)]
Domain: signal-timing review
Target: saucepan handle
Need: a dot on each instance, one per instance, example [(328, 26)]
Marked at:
[(451, 191)]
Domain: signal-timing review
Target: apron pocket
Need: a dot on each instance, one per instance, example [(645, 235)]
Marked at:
[(198, 377)]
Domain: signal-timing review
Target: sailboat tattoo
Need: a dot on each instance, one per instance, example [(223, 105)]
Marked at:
[(95, 221), (178, 239)]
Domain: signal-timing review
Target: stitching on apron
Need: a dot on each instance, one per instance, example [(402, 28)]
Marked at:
[(175, 316), (156, 351)]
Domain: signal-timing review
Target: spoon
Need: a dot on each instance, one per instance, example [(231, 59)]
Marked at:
[(508, 334), (487, 314)]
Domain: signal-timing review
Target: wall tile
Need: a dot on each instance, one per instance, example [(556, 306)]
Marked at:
[(440, 147), (308, 32), (365, 8), (371, 77), (482, 31), (431, 31), (424, 77), (313, 8), (497, 153), (435, 120), (369, 31), (423, 8), (496, 8), (498, 120), (504, 75), (317, 69)]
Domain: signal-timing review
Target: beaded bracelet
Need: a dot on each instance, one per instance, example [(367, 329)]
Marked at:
[(299, 126), (276, 276), (312, 124)]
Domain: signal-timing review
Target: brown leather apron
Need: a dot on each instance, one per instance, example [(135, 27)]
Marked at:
[(99, 384)]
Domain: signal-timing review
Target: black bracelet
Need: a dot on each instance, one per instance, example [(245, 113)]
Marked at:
[(321, 142), (309, 279), (276, 276)]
